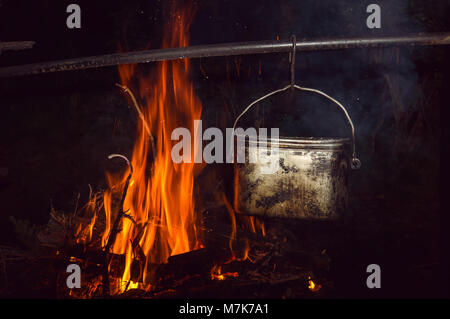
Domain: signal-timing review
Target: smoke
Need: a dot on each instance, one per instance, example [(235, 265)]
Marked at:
[(380, 88)]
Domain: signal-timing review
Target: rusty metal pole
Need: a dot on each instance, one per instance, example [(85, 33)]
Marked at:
[(227, 49)]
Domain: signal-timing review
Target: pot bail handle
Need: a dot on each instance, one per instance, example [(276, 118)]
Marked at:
[(355, 162)]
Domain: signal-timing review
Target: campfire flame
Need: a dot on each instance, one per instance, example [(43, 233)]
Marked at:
[(249, 223), (159, 198), (159, 206), (83, 232)]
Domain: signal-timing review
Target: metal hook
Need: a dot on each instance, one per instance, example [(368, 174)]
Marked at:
[(292, 59)]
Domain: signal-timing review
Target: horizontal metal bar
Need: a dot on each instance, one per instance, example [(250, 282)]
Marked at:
[(227, 49)]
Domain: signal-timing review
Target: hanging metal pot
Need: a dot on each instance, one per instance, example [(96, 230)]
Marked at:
[(310, 177)]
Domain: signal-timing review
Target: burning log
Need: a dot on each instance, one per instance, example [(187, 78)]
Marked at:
[(196, 262), (237, 287)]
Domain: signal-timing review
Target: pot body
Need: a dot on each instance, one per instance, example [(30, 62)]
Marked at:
[(309, 180)]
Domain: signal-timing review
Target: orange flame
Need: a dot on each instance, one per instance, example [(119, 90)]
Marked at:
[(83, 232), (248, 222), (160, 195), (312, 285)]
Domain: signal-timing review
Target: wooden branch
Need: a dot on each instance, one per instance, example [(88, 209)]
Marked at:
[(16, 46), (115, 228)]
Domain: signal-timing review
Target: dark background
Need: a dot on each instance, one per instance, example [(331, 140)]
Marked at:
[(57, 129)]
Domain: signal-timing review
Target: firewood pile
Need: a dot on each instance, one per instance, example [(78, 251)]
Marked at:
[(243, 264), (239, 256)]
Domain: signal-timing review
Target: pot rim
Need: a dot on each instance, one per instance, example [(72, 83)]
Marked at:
[(301, 142)]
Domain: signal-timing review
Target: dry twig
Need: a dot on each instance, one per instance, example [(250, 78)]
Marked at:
[(141, 115), (115, 228)]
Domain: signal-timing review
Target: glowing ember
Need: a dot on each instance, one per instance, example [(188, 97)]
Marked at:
[(312, 285), (216, 273)]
